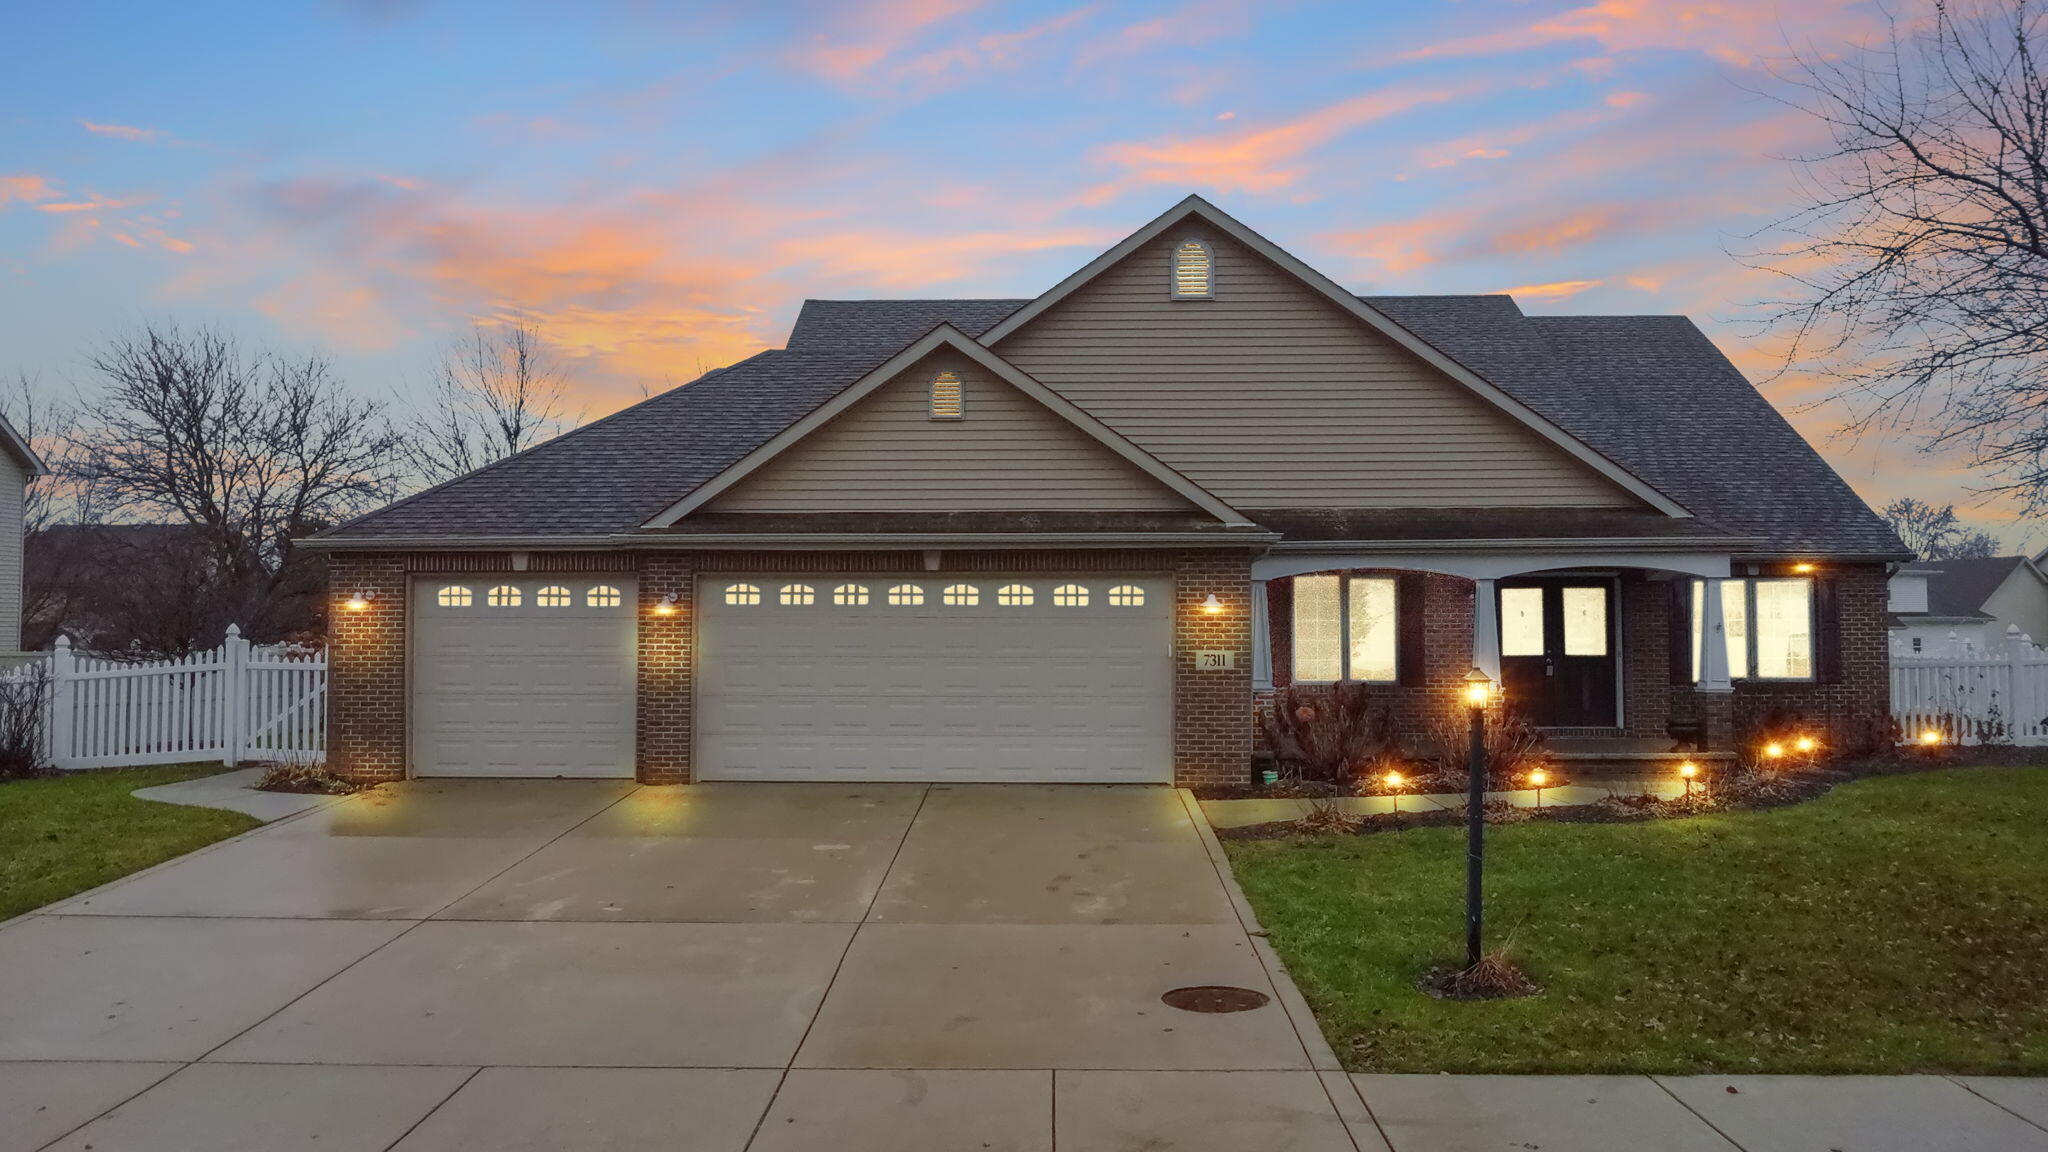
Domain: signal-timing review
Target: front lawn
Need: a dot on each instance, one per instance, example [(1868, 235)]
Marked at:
[(1897, 924), (63, 835)]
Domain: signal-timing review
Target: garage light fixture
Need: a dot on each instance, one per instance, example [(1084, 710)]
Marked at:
[(1212, 605), (666, 606), (360, 600)]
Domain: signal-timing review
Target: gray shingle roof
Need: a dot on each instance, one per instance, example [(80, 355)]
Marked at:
[(1649, 392), (1958, 588)]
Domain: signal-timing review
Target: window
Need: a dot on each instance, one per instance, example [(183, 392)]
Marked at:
[(1521, 621), (503, 596), (453, 596), (850, 595), (947, 402), (1015, 595), (1193, 272), (1070, 596), (798, 595), (1127, 596), (1585, 620), (553, 596), (906, 595), (962, 595), (742, 594), (1345, 629), (1768, 625), (602, 596), (1916, 644)]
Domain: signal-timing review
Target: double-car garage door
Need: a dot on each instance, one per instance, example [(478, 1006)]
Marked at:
[(801, 677)]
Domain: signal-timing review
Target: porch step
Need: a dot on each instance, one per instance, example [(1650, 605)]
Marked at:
[(1617, 757)]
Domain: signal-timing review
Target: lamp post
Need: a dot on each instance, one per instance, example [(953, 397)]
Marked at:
[(1478, 693)]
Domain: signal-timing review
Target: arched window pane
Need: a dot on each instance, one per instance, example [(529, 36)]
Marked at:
[(742, 594), (553, 596), (797, 595), (850, 595), (602, 596), (503, 596), (453, 596), (962, 595)]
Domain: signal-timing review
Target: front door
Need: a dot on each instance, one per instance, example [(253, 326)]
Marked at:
[(1557, 650)]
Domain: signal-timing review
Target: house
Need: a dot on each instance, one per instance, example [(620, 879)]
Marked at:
[(1955, 607), (19, 465), (1079, 537)]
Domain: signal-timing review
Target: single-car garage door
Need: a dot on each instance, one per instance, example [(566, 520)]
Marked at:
[(997, 678), (522, 675)]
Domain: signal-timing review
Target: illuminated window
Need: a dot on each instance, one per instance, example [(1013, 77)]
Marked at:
[(797, 595), (1070, 596), (453, 596), (503, 596), (1193, 271), (1585, 620), (1014, 595), (1768, 625), (947, 403), (850, 595), (742, 594), (602, 596), (1127, 596), (1521, 621), (962, 595), (906, 595), (1345, 628), (553, 596)]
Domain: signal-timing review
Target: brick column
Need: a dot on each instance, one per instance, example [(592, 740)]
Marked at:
[(366, 682), (667, 649), (1212, 710)]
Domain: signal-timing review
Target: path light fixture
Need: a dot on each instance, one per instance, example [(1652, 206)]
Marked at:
[(359, 600), (1537, 779), (1930, 738), (1395, 781), (1478, 694), (1686, 771)]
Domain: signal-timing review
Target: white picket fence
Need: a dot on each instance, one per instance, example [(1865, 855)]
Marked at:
[(1972, 696), (232, 704)]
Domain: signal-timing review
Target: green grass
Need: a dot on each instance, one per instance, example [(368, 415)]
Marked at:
[(63, 835), (1897, 924)]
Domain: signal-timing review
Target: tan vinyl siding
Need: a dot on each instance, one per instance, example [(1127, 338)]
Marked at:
[(13, 485), (1270, 396), (1006, 452)]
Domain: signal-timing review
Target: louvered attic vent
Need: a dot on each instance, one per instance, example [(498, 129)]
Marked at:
[(946, 399), (1193, 271)]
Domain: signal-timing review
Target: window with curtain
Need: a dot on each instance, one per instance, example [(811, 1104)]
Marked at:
[(1768, 624), (1344, 629)]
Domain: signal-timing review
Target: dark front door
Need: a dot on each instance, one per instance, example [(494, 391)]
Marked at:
[(1557, 642)]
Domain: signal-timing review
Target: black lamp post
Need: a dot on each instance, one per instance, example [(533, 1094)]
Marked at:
[(1478, 694)]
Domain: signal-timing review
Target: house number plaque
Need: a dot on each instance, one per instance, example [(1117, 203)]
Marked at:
[(1213, 661)]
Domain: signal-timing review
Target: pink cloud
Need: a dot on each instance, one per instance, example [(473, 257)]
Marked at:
[(1734, 31), (123, 131), (1198, 22), (26, 188), (868, 33), (1554, 290), (994, 50)]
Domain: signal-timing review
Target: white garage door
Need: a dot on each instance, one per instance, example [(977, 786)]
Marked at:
[(1009, 678), (522, 676)]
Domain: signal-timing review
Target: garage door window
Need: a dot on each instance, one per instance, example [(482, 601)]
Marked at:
[(850, 595), (553, 596), (453, 596), (1070, 596), (1014, 595), (742, 594), (799, 595), (1127, 596), (962, 595), (906, 595), (503, 596), (602, 596)]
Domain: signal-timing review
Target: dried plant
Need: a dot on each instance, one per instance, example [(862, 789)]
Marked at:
[(1327, 733), (24, 704)]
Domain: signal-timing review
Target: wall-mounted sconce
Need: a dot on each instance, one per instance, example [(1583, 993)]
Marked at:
[(360, 599), (1212, 605), (666, 606)]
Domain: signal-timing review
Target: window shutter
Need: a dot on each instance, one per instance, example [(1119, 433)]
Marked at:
[(1681, 630), (1827, 631), (1280, 629), (1408, 606)]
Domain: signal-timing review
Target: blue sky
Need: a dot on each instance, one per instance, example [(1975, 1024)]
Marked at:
[(659, 186)]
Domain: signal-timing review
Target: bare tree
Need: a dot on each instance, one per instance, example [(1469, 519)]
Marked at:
[(1935, 533), (249, 449), (1921, 257), (497, 391)]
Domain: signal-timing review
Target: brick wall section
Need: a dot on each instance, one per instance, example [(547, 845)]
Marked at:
[(1645, 655), (366, 682), (665, 687), (1417, 710), (1212, 710), (1844, 709)]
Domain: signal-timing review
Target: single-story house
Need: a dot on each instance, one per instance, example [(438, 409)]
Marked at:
[(1080, 537), (1959, 607)]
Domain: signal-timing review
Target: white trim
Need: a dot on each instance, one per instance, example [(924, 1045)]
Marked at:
[(16, 444), (947, 336), (1371, 317), (1490, 565), (871, 541)]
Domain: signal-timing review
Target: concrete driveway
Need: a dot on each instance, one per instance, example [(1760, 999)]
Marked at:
[(564, 965)]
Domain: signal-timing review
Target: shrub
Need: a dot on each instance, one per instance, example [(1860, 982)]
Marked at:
[(24, 704), (1513, 747), (1327, 733), (308, 778)]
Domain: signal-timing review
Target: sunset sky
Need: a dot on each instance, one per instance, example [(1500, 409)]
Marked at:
[(659, 186)]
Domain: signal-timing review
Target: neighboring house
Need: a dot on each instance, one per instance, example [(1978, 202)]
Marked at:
[(1078, 537), (19, 465), (1956, 607)]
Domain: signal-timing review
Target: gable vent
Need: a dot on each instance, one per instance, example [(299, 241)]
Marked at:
[(1193, 271), (946, 398)]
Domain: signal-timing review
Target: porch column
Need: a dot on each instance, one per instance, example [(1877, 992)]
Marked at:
[(1713, 639), (1486, 628), (1262, 640)]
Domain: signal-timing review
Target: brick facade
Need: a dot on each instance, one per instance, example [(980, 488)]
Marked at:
[(1212, 719)]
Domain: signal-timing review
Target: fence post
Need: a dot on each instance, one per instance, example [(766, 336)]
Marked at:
[(235, 693), (59, 724)]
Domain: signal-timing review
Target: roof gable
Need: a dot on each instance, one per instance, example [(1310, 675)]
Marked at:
[(989, 368), (1194, 209)]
